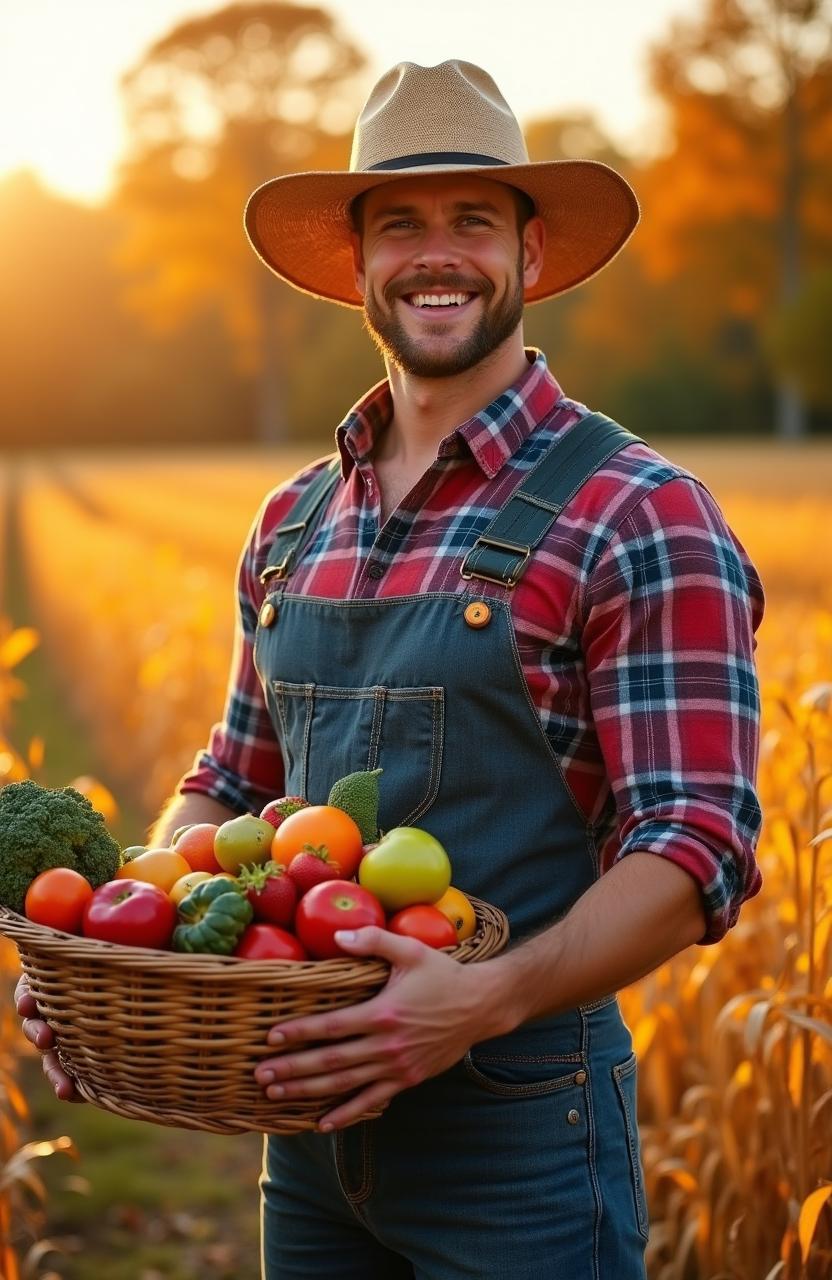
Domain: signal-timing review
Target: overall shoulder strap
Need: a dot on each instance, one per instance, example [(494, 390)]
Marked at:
[(290, 538), (502, 552)]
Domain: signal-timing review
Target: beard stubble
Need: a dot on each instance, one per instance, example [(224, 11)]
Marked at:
[(407, 353)]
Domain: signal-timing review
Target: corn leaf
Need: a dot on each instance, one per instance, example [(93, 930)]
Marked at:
[(809, 1024), (754, 1024), (810, 1211)]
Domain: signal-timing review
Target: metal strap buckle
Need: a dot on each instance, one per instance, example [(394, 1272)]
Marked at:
[(280, 570), (484, 540), (275, 570)]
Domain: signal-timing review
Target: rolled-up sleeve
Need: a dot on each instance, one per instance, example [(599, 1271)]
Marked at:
[(670, 615)]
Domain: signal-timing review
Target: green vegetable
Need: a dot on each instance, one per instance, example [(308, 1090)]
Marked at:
[(41, 828), (357, 795), (214, 916)]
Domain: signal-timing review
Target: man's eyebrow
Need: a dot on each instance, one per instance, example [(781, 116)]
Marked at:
[(459, 206)]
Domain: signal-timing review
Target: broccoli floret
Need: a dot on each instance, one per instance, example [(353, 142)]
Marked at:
[(42, 828)]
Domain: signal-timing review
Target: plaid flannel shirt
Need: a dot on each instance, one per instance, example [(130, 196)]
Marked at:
[(635, 624)]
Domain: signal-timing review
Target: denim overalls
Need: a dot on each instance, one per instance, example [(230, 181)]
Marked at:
[(522, 1161)]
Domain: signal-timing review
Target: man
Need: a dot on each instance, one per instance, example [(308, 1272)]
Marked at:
[(543, 631)]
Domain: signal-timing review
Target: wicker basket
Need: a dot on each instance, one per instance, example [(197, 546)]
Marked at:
[(174, 1039)]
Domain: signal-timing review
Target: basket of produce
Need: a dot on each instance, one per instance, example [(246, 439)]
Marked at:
[(161, 971)]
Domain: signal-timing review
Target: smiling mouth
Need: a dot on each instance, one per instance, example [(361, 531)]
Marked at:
[(438, 302)]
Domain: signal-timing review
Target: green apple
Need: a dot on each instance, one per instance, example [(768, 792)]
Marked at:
[(406, 867)]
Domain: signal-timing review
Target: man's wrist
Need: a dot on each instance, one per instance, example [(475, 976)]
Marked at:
[(511, 984)]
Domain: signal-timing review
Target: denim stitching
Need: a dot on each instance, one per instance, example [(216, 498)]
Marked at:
[(533, 1089), (433, 695), (598, 1004), (591, 1151), (509, 1058), (307, 733), (619, 1072), (375, 728), (365, 1187), (436, 753), (353, 1198)]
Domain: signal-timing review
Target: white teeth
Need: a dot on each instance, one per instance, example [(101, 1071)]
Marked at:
[(440, 300)]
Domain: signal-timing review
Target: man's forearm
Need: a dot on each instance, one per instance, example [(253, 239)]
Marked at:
[(635, 917), (192, 806)]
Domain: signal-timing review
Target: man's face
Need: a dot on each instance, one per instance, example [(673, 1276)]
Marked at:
[(443, 268)]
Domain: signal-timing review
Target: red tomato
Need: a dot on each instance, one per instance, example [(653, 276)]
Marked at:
[(316, 825), (428, 924), (133, 912), (57, 898), (269, 942), (333, 905)]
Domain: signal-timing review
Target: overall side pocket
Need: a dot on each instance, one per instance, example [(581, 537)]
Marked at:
[(624, 1076)]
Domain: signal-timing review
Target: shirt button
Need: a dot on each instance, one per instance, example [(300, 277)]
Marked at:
[(375, 570), (477, 614)]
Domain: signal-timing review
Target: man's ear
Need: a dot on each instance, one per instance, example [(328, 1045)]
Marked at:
[(358, 261), (534, 246)]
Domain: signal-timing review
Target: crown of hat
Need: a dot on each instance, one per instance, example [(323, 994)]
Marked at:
[(417, 111)]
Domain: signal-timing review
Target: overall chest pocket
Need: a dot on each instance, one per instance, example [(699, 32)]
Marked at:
[(328, 731)]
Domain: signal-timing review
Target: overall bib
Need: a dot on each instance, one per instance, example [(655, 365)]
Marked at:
[(522, 1161)]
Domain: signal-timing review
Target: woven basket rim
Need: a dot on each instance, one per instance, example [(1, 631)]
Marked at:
[(150, 959)]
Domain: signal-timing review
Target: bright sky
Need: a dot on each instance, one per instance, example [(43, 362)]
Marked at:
[(60, 61)]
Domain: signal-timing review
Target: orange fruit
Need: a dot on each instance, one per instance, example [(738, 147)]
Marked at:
[(184, 884), (162, 867), (459, 911), (316, 825), (196, 845)]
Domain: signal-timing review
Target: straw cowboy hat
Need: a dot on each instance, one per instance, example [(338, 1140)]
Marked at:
[(450, 118)]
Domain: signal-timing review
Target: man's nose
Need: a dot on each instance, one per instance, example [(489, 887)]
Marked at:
[(436, 251)]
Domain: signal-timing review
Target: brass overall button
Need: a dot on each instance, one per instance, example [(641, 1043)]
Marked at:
[(580, 1077), (573, 1117), (477, 614), (268, 613)]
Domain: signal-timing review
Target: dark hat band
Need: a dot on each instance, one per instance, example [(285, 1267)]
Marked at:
[(435, 157)]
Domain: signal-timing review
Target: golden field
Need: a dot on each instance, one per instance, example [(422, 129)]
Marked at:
[(734, 1041)]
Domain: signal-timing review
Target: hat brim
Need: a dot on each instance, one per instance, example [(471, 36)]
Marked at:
[(299, 224)]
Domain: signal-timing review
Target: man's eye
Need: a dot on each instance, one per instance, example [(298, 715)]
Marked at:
[(473, 217)]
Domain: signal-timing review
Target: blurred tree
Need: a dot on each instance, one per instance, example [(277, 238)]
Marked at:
[(739, 202), (799, 338), (74, 368), (216, 107)]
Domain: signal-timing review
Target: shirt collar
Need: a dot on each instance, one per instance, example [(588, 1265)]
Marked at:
[(493, 435)]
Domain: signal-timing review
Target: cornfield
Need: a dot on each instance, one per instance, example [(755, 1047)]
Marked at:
[(734, 1041)]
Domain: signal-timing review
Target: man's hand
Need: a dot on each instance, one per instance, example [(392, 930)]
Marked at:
[(39, 1033), (428, 1015)]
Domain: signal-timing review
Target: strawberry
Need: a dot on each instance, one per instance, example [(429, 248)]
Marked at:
[(276, 810), (312, 866), (272, 893)]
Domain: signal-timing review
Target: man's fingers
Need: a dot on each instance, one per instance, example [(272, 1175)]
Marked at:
[(375, 1097), (328, 1059), (353, 1020), (38, 1033), (318, 1086), (24, 1001), (59, 1080)]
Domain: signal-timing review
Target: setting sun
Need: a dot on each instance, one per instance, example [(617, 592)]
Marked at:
[(60, 65)]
